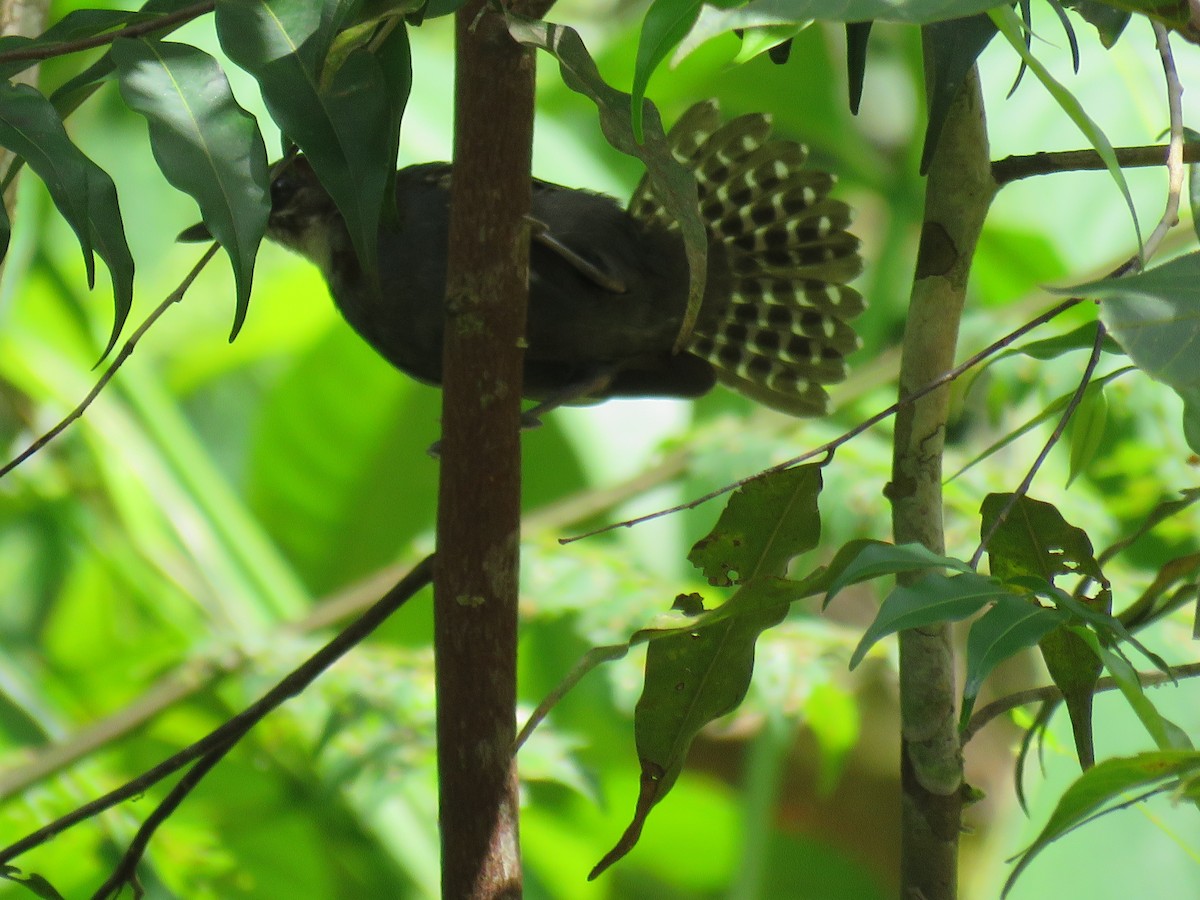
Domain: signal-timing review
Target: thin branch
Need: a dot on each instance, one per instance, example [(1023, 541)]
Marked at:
[(1015, 168), (827, 449), (1059, 429), (1175, 156), (997, 708), (179, 17), (125, 872), (220, 739), (126, 351)]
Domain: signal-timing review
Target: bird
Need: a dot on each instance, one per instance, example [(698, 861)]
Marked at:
[(608, 285)]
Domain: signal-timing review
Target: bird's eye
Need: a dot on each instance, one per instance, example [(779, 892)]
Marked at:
[(283, 189)]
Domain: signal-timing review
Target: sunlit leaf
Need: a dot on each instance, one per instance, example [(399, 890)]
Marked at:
[(1108, 784)]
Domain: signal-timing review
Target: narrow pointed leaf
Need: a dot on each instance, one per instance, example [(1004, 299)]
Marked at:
[(340, 120), (877, 558), (1012, 624), (933, 599), (205, 143), (667, 23), (81, 190), (1106, 785)]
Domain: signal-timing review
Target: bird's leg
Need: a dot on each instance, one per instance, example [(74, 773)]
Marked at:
[(540, 232)]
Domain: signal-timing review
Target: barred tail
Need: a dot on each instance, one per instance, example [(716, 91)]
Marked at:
[(784, 334)]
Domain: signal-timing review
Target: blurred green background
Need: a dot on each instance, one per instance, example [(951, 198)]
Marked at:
[(221, 506)]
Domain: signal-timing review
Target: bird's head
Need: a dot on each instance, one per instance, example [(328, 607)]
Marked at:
[(303, 216)]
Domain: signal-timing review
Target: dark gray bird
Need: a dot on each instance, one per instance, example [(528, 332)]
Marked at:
[(609, 286)]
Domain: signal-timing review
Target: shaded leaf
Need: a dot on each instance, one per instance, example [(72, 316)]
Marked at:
[(952, 48), (81, 190), (1106, 785), (766, 522), (1035, 539), (858, 35), (1012, 624), (205, 144), (1081, 338), (933, 599), (1155, 316), (33, 882), (1108, 20), (1074, 668), (694, 676), (342, 121), (1086, 432), (872, 559)]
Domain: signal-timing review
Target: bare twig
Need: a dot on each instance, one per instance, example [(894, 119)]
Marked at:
[(1014, 168), (827, 449), (179, 17), (997, 708), (126, 351), (1175, 155)]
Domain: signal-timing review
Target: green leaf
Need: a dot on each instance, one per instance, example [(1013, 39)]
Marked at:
[(667, 22), (1166, 734), (34, 883), (762, 40), (1074, 667), (1107, 785), (1086, 432), (1155, 316), (858, 34), (694, 676), (1012, 624), (674, 185), (1010, 26), (933, 599), (82, 191), (1035, 539), (343, 121), (872, 559), (953, 48), (1108, 20), (1081, 338), (205, 143), (766, 523)]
